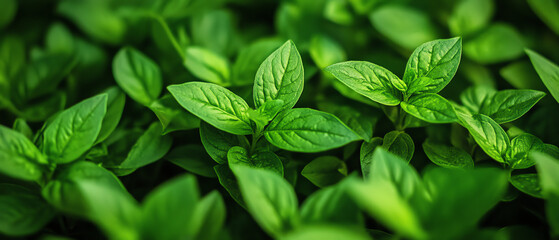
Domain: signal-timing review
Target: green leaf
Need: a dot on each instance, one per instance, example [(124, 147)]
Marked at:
[(137, 75), (390, 210), (150, 147), (249, 59), (520, 147), (487, 133), (548, 11), (214, 104), (327, 232), (405, 26), (430, 107), (165, 215), (365, 156), (59, 39), (447, 156), (8, 12), (192, 158), (498, 43), (521, 75), (115, 106), (469, 16), (215, 30), (21, 126), (172, 116), (548, 72), (325, 51), (239, 156), (62, 191), (399, 143), (360, 119), (115, 212), (325, 171), (473, 97), (75, 130), (22, 212), (547, 167), (432, 65), (331, 205), (227, 180), (269, 198), (451, 198), (19, 158), (207, 65), (308, 130), (369, 80), (509, 105), (216, 142), (280, 76), (528, 183), (386, 166), (208, 217)]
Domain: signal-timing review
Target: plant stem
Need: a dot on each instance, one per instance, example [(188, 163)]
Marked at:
[(169, 33)]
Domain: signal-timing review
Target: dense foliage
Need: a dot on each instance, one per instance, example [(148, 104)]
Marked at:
[(270, 119)]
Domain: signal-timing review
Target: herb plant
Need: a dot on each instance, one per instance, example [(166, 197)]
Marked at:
[(302, 119)]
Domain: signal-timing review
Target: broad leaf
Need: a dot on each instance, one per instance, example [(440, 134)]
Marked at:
[(269, 198), (430, 107), (325, 171), (172, 116), (214, 104), (216, 142), (520, 147), (280, 76), (22, 212), (548, 167), (509, 105), (327, 232), (325, 51), (19, 158), (528, 183), (447, 156), (432, 65), (165, 215), (137, 75), (207, 65), (150, 147), (192, 158), (115, 106), (487, 133), (307, 130), (208, 217), (548, 72), (399, 143), (75, 130), (369, 80), (497, 43), (469, 16)]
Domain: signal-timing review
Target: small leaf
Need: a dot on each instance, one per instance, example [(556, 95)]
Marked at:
[(369, 80), (216, 142), (399, 143), (21, 126), (249, 59), (528, 183), (269, 198), (469, 16), (150, 147), (430, 107), (75, 130), (280, 76), (509, 105), (137, 75), (325, 51), (447, 156), (325, 171), (239, 156), (19, 158), (437, 61), (473, 97), (207, 65), (214, 104), (487, 133), (172, 116), (365, 156), (308, 130), (548, 72), (520, 147)]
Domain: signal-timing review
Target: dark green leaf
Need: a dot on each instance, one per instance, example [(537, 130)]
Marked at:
[(150, 147), (325, 171), (509, 105), (239, 156), (447, 156)]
